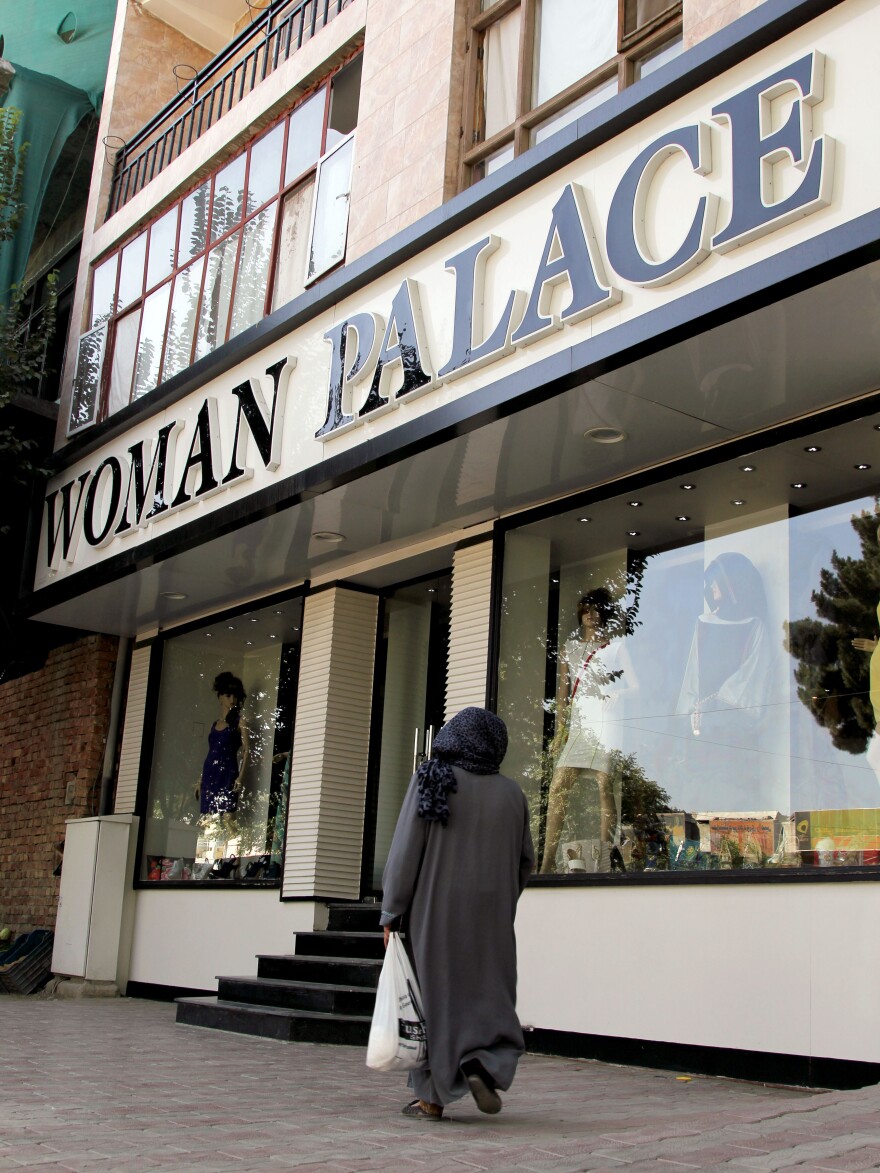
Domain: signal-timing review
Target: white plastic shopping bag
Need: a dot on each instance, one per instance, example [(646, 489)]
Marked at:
[(397, 1034)]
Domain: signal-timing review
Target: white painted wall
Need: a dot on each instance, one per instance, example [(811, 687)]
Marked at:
[(789, 968), (190, 938)]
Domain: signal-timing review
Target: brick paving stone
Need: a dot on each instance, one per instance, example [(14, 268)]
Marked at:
[(155, 1096)]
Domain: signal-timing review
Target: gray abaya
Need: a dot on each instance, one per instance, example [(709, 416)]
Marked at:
[(457, 888)]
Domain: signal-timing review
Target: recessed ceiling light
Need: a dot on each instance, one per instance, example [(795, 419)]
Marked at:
[(209, 635), (687, 486), (174, 595), (432, 590), (682, 517), (634, 504), (585, 519), (255, 621), (328, 535), (862, 467), (812, 448), (273, 637), (746, 468), (737, 501), (248, 643), (798, 485), (633, 533), (230, 627), (604, 435)]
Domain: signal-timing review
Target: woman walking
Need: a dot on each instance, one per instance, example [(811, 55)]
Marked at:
[(460, 857)]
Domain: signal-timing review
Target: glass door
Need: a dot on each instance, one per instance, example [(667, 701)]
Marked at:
[(408, 706)]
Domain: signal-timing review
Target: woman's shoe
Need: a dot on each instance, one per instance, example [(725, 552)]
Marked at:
[(482, 1088), (422, 1110)]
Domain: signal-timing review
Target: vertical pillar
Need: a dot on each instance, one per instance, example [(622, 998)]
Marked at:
[(133, 735), (328, 773), (468, 670)]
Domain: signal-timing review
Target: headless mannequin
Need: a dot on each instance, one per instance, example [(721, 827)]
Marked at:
[(594, 637), (229, 701)]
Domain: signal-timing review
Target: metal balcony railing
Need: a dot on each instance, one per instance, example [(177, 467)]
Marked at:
[(273, 37)]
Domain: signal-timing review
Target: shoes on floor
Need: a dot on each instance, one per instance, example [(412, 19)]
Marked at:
[(482, 1087), (422, 1110)]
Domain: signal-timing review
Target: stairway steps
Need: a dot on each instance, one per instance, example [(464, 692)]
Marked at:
[(328, 943), (298, 995), (323, 992), (355, 971), (271, 1022)]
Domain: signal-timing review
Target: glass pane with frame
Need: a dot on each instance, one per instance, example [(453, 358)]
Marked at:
[(163, 242), (152, 337), (571, 113), (87, 379), (668, 52), (332, 195), (493, 162), (264, 177), (569, 47), (131, 272), (122, 365), (228, 204), (638, 13), (253, 270), (182, 320), (345, 92), (194, 223), (104, 290), (304, 136), (497, 87), (214, 313), (293, 245), (220, 776)]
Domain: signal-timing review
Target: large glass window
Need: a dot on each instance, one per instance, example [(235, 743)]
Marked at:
[(540, 64), (217, 803), (690, 673), (222, 257)]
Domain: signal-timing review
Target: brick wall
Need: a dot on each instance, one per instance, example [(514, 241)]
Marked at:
[(52, 728)]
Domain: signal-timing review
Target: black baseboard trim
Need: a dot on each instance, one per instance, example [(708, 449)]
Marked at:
[(757, 1066), (157, 993)]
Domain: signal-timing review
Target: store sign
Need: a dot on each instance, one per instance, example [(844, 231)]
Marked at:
[(380, 357)]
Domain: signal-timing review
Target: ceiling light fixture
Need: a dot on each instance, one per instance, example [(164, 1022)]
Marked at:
[(605, 435), (328, 535), (633, 533), (176, 595), (737, 501), (584, 519), (746, 468), (634, 504), (861, 467), (798, 485), (682, 517), (687, 487), (812, 448)]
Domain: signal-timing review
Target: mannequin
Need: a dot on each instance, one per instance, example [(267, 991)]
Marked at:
[(872, 648), (219, 785), (589, 683)]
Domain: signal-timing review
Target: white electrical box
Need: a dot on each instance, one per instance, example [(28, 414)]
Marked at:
[(93, 928)]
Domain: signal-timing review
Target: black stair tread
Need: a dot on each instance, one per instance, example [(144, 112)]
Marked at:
[(281, 983), (279, 1011), (372, 935), (324, 958)]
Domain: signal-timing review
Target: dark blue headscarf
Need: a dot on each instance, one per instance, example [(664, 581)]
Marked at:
[(474, 740)]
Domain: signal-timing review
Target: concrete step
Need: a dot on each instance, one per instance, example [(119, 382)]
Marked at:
[(272, 1022), (298, 995), (329, 943), (341, 971), (354, 918)]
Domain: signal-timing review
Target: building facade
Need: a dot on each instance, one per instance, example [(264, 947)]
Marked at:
[(489, 353)]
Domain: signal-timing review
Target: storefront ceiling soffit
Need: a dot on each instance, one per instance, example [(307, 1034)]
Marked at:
[(778, 363), (211, 23)]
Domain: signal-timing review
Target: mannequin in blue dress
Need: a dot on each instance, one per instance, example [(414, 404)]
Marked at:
[(219, 785)]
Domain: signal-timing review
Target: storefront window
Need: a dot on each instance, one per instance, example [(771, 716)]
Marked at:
[(690, 673), (217, 803)]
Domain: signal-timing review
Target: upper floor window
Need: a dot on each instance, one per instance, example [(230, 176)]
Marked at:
[(244, 242), (540, 64)]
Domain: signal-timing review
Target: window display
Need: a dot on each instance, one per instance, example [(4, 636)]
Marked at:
[(217, 801), (700, 692)]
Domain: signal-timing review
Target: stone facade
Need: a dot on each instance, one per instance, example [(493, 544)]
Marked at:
[(54, 724)]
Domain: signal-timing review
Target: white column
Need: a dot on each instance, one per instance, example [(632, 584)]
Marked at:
[(328, 774)]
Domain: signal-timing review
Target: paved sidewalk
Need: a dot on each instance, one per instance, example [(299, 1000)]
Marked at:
[(115, 1085)]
